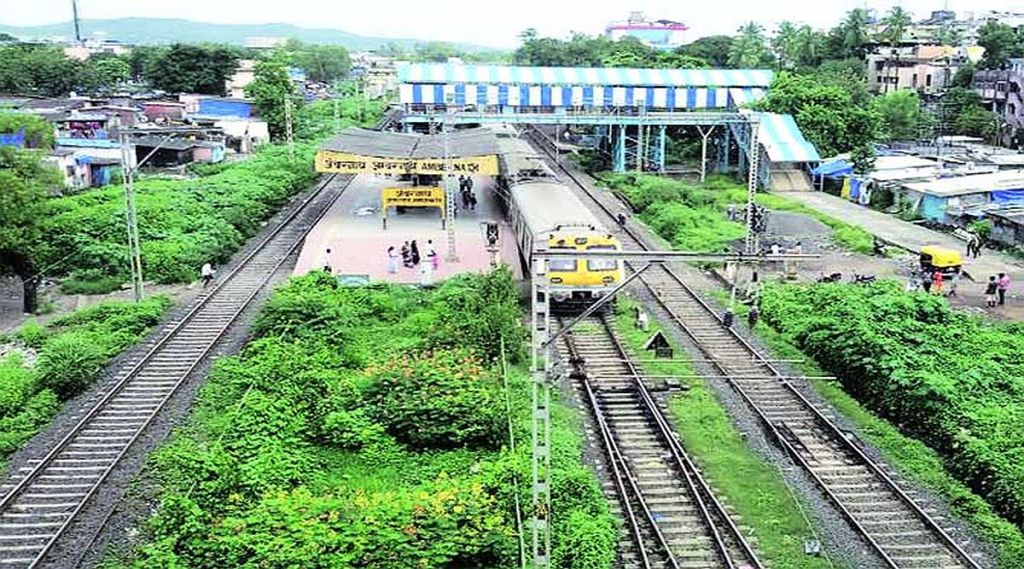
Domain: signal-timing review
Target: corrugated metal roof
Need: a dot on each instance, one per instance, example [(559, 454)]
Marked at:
[(545, 206), (783, 141), (613, 76), (461, 143), (977, 184)]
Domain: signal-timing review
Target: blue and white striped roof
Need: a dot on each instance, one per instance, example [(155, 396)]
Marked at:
[(783, 141), (445, 73)]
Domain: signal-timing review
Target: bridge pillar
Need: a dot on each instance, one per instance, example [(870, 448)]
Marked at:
[(620, 148), (723, 151), (659, 156)]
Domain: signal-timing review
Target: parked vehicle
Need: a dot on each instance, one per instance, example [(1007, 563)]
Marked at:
[(936, 258)]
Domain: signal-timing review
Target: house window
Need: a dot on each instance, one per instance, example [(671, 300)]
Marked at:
[(928, 80), (879, 65)]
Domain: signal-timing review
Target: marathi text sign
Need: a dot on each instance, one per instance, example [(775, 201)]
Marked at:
[(412, 197), (329, 161)]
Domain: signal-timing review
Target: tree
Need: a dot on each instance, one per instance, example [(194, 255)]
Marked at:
[(323, 63), (964, 77), (38, 70), (850, 39), (38, 131), (142, 58), (26, 181), (1000, 43), (750, 49), (809, 46), (712, 49), (271, 86), (863, 158), (895, 25), (5, 37), (193, 69), (628, 52), (106, 71), (786, 45), (826, 113), (948, 35), (902, 116)]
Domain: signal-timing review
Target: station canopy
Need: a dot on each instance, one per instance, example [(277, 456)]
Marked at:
[(362, 151)]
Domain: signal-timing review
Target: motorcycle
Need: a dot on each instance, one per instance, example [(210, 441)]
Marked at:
[(880, 248), (863, 279), (832, 278)]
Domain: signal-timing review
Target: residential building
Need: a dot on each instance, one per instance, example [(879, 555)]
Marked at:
[(1001, 90), (244, 74), (264, 43), (924, 68), (95, 46)]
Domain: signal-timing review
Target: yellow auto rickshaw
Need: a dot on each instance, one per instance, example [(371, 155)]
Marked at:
[(934, 257)]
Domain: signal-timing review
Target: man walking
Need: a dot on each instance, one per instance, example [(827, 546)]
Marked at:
[(327, 263), (207, 273)]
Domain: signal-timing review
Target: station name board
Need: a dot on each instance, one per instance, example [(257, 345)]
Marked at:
[(328, 161), (412, 197)]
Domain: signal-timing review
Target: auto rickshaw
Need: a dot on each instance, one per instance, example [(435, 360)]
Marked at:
[(934, 257)]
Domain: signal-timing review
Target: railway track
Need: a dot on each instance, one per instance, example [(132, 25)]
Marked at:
[(41, 501), (891, 522), (671, 515)]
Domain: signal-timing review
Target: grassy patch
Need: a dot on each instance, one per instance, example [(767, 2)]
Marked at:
[(370, 428), (912, 458), (70, 354), (747, 482)]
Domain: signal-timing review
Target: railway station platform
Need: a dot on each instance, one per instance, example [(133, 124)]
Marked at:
[(353, 230)]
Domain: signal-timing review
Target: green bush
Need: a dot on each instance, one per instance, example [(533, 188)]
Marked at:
[(33, 334), (90, 282), (70, 363), (952, 380), (443, 399)]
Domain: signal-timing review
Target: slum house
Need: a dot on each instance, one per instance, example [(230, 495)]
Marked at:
[(1007, 224), (85, 162), (86, 124), (172, 152), (958, 200), (161, 112)]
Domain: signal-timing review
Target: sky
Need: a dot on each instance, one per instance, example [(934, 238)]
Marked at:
[(483, 22)]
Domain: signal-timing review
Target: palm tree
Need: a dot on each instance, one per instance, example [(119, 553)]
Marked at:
[(896, 23), (786, 45), (855, 33), (809, 44), (749, 49), (948, 35)]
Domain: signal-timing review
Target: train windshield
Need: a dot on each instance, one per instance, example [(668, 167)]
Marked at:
[(602, 264), (562, 265)]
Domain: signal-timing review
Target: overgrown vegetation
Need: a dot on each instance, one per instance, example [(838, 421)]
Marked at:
[(353, 433), (951, 380), (182, 223), (750, 485), (693, 218), (62, 359)]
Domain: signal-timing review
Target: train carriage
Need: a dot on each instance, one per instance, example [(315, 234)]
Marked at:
[(551, 212)]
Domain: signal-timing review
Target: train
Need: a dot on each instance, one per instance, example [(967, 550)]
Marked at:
[(542, 209)]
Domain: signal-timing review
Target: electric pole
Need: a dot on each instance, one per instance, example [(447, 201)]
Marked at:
[(449, 191), (289, 134), (131, 217), (78, 28)]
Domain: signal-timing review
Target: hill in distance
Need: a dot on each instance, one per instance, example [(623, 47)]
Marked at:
[(144, 31)]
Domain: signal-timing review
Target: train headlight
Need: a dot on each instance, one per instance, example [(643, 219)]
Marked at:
[(608, 279), (556, 280)]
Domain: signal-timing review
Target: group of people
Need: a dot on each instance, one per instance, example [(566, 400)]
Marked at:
[(410, 256), (995, 290), (933, 282), (466, 191)]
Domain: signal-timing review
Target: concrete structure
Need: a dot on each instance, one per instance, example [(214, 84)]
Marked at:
[(86, 163), (243, 76), (1001, 91), (927, 69), (352, 229), (1007, 225), (659, 34), (164, 111), (96, 46), (264, 43)]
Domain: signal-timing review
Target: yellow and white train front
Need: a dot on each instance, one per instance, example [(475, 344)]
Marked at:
[(582, 280)]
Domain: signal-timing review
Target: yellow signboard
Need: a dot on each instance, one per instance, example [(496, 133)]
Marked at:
[(329, 161), (412, 197)]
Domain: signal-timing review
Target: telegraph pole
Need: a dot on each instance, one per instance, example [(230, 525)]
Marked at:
[(78, 27)]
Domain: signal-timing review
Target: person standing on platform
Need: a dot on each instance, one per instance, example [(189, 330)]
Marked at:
[(414, 252), (1004, 285), (328, 268), (472, 200), (207, 273), (406, 255), (432, 256), (392, 260)]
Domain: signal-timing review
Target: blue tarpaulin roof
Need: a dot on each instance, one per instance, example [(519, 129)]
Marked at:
[(1008, 196), (611, 76), (834, 169)]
